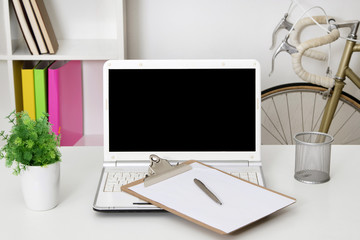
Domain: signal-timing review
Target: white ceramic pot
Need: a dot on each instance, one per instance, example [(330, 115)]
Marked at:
[(40, 186)]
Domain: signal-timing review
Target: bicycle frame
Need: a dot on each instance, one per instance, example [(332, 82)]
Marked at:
[(343, 71)]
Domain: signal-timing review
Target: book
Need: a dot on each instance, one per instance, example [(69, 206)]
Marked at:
[(35, 26), (46, 28), (28, 91), (65, 100), (40, 86), (17, 65), (25, 27)]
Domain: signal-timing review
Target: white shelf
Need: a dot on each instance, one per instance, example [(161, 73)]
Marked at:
[(93, 34), (84, 49)]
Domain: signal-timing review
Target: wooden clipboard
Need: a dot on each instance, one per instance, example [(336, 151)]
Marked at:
[(243, 202)]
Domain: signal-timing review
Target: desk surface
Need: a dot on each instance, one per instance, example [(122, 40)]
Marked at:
[(324, 211)]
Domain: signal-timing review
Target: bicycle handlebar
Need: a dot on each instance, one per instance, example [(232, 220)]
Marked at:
[(295, 35), (298, 50), (302, 48)]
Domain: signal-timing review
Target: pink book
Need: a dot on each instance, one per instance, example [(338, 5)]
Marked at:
[(65, 100)]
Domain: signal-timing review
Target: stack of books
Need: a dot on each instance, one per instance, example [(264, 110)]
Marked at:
[(54, 88), (36, 27)]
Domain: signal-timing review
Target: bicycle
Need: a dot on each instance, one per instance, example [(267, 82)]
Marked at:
[(320, 104)]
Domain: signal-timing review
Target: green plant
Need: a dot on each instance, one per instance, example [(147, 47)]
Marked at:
[(30, 143)]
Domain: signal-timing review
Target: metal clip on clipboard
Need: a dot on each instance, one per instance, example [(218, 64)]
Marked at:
[(160, 169)]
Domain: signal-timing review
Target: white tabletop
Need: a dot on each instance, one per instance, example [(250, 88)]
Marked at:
[(323, 211)]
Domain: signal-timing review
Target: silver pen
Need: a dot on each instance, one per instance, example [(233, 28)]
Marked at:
[(202, 186)]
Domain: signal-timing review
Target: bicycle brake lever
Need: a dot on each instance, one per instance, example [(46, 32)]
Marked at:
[(284, 46), (283, 24)]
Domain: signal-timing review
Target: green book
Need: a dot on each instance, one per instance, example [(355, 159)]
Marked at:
[(40, 87)]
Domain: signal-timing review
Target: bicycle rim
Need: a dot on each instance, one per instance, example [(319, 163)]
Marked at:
[(292, 108)]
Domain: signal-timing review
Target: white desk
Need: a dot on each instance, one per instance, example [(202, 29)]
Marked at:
[(325, 211)]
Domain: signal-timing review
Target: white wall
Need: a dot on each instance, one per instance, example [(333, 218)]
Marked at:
[(190, 29), (182, 29)]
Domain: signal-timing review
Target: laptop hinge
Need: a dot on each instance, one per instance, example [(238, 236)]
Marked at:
[(123, 163), (243, 163), (109, 164), (213, 163), (255, 164)]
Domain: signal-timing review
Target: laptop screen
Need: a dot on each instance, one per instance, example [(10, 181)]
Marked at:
[(182, 110)]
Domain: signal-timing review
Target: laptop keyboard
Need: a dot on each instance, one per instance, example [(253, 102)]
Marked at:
[(114, 180)]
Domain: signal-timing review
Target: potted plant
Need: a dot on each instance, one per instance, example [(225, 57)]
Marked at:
[(31, 149)]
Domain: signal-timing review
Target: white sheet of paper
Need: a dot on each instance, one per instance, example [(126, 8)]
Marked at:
[(242, 202)]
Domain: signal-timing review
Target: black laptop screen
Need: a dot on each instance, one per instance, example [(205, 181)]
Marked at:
[(182, 110)]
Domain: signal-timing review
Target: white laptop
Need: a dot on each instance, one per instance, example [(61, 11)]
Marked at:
[(205, 110)]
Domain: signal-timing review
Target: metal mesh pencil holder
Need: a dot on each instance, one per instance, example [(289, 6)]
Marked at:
[(312, 157)]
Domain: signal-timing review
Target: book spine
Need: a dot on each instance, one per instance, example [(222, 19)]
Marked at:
[(53, 100), (40, 82), (45, 25), (27, 77), (35, 26), (65, 101), (25, 28), (19, 105)]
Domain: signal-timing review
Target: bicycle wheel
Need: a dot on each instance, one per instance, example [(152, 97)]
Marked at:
[(298, 107)]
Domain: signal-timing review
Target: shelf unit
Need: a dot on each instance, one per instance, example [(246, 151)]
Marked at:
[(87, 30)]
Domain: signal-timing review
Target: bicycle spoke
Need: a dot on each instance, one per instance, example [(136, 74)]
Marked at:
[(339, 108), (344, 123), (342, 104), (318, 120), (273, 124), (282, 128), (271, 134), (313, 114), (302, 112), (352, 141), (287, 104), (322, 113)]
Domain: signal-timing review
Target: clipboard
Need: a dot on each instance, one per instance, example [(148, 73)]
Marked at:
[(172, 188)]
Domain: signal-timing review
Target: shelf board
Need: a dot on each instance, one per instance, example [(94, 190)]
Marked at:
[(79, 49)]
